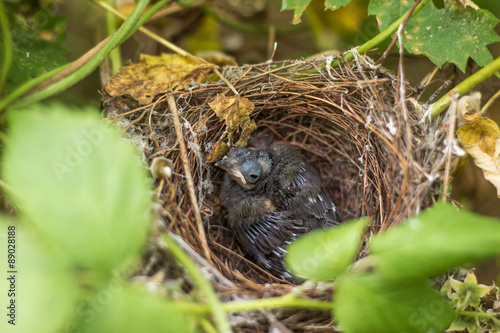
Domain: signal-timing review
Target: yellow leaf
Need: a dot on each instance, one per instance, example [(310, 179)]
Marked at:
[(218, 152), (247, 128), (126, 8), (155, 75), (235, 111), (483, 132)]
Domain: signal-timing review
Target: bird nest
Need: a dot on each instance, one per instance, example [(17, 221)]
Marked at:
[(377, 153)]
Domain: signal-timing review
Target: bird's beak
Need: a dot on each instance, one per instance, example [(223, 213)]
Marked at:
[(232, 168)]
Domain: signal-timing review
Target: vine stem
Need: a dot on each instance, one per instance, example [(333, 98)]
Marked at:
[(280, 302), (7, 48), (213, 303), (71, 73), (121, 34), (472, 81), (383, 35), (115, 55)]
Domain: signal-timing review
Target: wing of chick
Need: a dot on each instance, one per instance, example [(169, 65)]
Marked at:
[(267, 239), (262, 231), (296, 187)]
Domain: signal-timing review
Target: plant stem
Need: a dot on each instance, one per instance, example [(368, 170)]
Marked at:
[(128, 27), (7, 48), (469, 83), (145, 31), (381, 36), (258, 304), (144, 18), (477, 314), (287, 301), (20, 91), (213, 303), (115, 55)]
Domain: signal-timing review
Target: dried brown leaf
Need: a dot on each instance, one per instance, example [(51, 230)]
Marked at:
[(235, 112), (155, 75)]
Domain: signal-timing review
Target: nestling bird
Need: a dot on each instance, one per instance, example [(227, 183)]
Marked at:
[(272, 196)]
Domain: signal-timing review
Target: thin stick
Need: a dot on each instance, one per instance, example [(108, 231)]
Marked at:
[(449, 139), (409, 14), (490, 102), (189, 176)]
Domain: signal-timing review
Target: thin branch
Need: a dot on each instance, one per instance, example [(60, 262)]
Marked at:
[(490, 102), (372, 43), (408, 14), (7, 48), (471, 82), (449, 144), (189, 176)]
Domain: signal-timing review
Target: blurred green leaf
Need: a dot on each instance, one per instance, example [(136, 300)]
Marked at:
[(206, 37), (79, 182), (368, 302), (326, 253), (42, 285), (452, 34), (335, 4), (37, 45), (298, 7), (132, 310), (435, 241)]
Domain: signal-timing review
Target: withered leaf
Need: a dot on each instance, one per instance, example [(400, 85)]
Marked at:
[(218, 152), (482, 131), (469, 108), (234, 110), (155, 75)]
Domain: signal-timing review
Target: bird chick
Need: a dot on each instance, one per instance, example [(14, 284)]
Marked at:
[(272, 196)]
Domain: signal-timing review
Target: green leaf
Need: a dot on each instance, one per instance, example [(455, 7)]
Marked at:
[(298, 7), (39, 283), (368, 302), (452, 34), (326, 253), (79, 183), (37, 46), (335, 4), (435, 241), (131, 310)]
